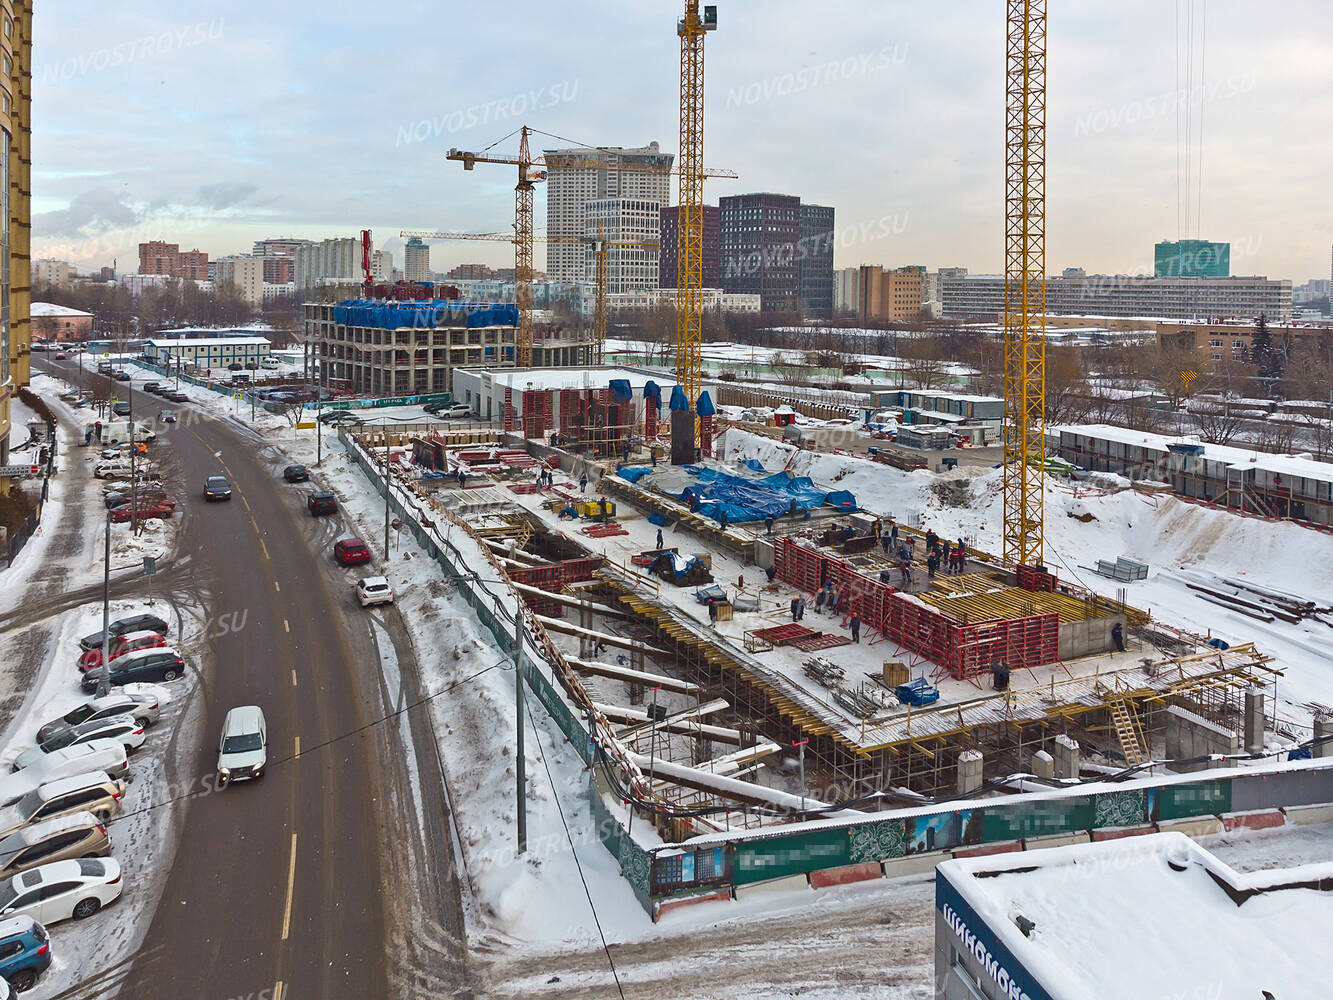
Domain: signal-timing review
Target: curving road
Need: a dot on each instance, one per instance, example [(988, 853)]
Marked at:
[(333, 876)]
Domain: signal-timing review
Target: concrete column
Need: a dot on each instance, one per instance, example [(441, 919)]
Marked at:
[(1043, 765), (1254, 720), (969, 771), (1323, 729), (1066, 757)]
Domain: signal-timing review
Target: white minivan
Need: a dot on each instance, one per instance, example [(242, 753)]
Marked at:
[(243, 750)]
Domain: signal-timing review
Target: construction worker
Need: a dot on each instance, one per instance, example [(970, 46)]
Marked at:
[(877, 529), (583, 482), (1118, 637), (856, 627), (884, 543), (932, 563), (820, 594), (800, 607), (795, 608), (722, 519), (659, 539), (893, 530), (768, 524)]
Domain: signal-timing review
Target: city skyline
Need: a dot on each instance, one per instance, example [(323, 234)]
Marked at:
[(889, 114)]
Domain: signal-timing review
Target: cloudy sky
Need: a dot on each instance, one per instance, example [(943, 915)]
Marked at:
[(250, 120)]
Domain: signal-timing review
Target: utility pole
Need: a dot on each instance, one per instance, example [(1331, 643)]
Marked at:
[(104, 681), (386, 492), (801, 746), (520, 760)]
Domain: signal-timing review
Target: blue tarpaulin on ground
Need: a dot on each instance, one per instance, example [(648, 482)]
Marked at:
[(678, 400), (754, 465), (633, 473), (743, 499), (620, 389), (680, 565), (842, 499)]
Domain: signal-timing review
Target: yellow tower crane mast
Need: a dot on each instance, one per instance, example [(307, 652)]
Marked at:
[(1025, 282), (690, 211)]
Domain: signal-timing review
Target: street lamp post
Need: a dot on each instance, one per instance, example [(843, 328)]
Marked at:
[(104, 681)]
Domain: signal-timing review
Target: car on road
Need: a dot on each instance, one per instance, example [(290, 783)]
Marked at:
[(243, 749), (321, 502), (144, 708), (130, 642), (296, 474), (144, 511), (351, 552), (61, 356), (153, 665), (122, 408), (122, 376), (62, 890), (121, 626), (78, 835), (25, 953), (341, 417), (166, 416), (82, 758), (105, 368), (373, 590), (176, 396), (125, 728), (151, 386), (217, 488), (95, 792)]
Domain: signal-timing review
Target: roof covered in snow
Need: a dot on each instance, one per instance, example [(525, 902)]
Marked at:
[(574, 378), (208, 342), (51, 309), (1152, 916)]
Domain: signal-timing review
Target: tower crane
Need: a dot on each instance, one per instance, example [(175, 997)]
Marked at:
[(1025, 282), (531, 170), (601, 251)]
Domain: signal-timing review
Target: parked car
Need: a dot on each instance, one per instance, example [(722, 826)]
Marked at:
[(144, 708), (118, 432), (78, 835), (123, 450), (176, 396), (166, 416), (143, 510), (146, 665), (125, 728), (217, 488), (82, 758), (351, 552), (296, 474), (120, 498), (321, 502), (151, 386), (456, 411), (62, 890), (95, 792), (341, 417), (122, 375), (374, 590), (122, 408), (130, 642), (119, 627), (243, 749), (112, 467), (145, 478), (25, 953)]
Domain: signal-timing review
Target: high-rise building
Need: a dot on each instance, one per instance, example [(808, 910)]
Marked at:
[(890, 295), (416, 260), (624, 220), (191, 265), (760, 234), (1192, 259), (329, 262), (156, 257), (15, 209), (471, 272), (279, 268), (670, 235), (814, 259), (847, 289), (576, 177), (47, 271), (245, 272), (381, 265), (277, 246)]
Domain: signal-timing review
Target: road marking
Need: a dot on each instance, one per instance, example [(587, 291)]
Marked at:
[(263, 546), (293, 678), (298, 746), (286, 627), (291, 885), (276, 587), (277, 990)]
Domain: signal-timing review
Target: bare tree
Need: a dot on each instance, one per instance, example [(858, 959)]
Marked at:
[(924, 361)]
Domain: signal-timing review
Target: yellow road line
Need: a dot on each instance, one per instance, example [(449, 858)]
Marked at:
[(293, 678), (291, 885)]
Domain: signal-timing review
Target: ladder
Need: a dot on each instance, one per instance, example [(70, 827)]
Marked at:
[(1127, 729)]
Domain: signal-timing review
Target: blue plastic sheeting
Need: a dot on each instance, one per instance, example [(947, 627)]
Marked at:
[(633, 473), (620, 389), (680, 565), (842, 499), (742, 499), (653, 391), (657, 519), (678, 400), (704, 406), (754, 465), (385, 315)]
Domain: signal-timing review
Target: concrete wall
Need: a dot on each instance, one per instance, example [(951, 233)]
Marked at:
[(1189, 735), (1087, 637)]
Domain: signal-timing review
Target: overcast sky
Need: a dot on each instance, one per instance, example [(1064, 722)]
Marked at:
[(257, 120)]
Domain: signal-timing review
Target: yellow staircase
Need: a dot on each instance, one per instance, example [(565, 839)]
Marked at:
[(1127, 729)]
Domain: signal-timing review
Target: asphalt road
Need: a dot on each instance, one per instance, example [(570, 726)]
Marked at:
[(333, 875)]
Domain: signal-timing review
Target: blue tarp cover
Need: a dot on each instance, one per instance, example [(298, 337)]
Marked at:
[(754, 465), (680, 565), (633, 473), (620, 389), (386, 315), (754, 499), (704, 405), (842, 499), (651, 390), (678, 400)]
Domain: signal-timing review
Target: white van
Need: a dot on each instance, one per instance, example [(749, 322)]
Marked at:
[(118, 431), (270, 363), (243, 749)]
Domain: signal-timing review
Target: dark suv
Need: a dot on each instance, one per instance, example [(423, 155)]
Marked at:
[(145, 665), (322, 502), (217, 488), (139, 623)]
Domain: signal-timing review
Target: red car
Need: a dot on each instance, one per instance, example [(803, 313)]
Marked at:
[(351, 552), (149, 509), (128, 643)]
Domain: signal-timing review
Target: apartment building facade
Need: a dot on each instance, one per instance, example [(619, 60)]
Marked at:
[(625, 220), (814, 259), (416, 260), (328, 262), (712, 247), (245, 272), (1229, 342), (890, 295), (579, 176), (48, 271), (760, 234)]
